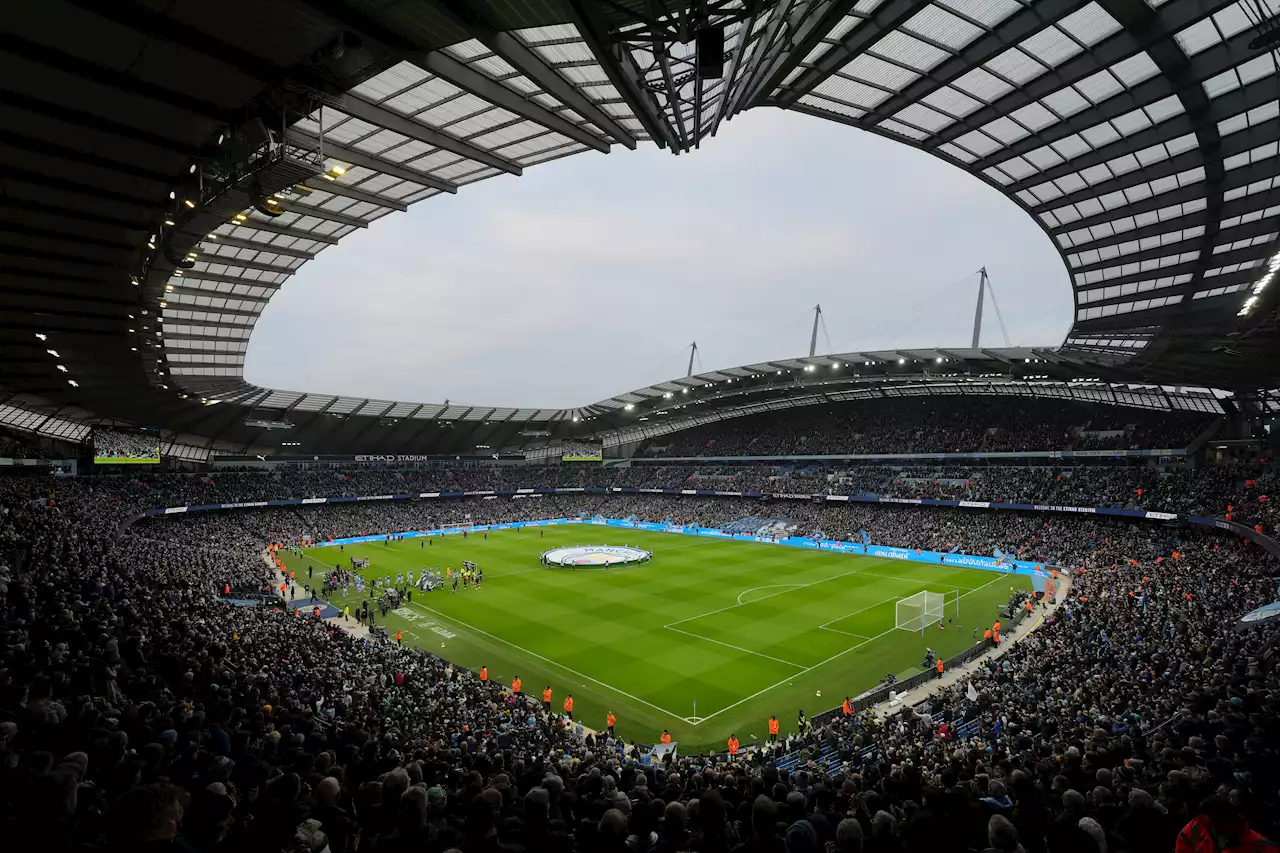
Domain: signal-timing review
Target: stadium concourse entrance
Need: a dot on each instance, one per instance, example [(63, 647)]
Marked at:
[(759, 629)]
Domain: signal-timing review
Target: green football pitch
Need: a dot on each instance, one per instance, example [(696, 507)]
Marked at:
[(710, 638)]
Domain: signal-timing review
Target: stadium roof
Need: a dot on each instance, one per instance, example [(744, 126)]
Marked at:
[(1141, 136)]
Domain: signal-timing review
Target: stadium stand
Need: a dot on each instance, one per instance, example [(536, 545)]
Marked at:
[(176, 164), (143, 714), (922, 426)]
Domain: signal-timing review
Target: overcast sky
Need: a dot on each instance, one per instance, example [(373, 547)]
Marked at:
[(589, 276)]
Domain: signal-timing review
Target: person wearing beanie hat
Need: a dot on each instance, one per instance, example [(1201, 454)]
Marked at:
[(801, 838)]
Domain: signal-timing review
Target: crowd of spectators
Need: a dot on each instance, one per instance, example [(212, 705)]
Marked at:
[(125, 444), (1241, 492), (920, 425), (142, 712), (24, 445)]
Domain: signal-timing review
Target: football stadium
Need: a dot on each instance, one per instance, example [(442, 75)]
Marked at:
[(999, 599)]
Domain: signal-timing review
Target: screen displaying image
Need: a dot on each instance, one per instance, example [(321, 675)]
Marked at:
[(582, 452), (114, 446)]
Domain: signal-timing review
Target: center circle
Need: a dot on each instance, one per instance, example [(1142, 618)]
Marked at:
[(596, 556)]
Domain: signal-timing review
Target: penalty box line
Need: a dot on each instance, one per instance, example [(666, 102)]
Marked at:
[(549, 661), (823, 627), (702, 720)]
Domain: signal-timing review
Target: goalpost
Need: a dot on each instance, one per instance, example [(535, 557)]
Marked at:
[(919, 611)]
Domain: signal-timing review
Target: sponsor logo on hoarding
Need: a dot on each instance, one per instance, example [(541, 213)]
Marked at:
[(976, 504), (313, 500), (397, 458), (175, 509), (375, 498), (1162, 516)]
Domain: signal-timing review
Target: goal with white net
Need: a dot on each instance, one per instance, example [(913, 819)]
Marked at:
[(919, 611)]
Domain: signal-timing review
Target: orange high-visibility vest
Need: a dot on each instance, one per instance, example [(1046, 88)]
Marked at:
[(733, 746), (996, 627), (987, 634), (226, 590), (484, 673), (997, 638), (612, 719), (515, 685), (546, 696), (939, 667), (773, 725), (568, 704), (399, 635), (666, 738), (847, 708)]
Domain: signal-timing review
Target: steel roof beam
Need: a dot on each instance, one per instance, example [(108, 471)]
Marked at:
[(80, 118), (1165, 131), (1144, 94), (531, 65), (229, 279), (266, 227), (255, 246), (120, 81), (72, 213), (393, 121), (368, 161), (195, 291), (209, 258), (184, 336), (525, 60), (819, 19), (1012, 30), (1102, 55), (621, 69), (886, 18), (338, 188), (320, 213), (63, 236)]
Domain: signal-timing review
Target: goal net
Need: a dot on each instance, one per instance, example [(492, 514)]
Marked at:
[(919, 611)]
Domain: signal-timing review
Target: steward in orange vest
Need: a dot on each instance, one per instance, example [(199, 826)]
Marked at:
[(939, 667), (847, 707), (611, 720), (733, 745), (568, 705), (666, 737), (484, 673), (516, 684), (773, 730), (546, 697)]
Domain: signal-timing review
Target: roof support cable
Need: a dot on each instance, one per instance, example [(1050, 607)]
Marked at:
[(996, 305)]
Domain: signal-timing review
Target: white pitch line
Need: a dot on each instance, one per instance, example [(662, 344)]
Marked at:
[(823, 663), (846, 633), (764, 597), (547, 660), (796, 675), (856, 612), (914, 580), (735, 648), (766, 586)]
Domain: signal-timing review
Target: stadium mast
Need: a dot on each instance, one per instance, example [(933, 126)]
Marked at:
[(813, 338), (693, 350), (977, 315)]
